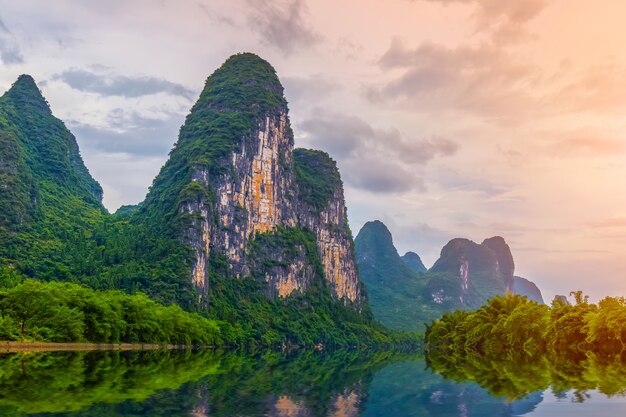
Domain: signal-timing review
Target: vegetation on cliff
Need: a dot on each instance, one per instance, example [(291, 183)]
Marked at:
[(405, 295), (317, 177), (242, 316), (54, 229)]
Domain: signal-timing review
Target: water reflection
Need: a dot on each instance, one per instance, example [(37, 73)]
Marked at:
[(515, 375), (304, 384)]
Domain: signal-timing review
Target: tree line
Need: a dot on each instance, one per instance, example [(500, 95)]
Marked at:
[(513, 323)]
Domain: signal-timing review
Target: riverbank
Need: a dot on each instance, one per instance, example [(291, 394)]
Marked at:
[(9, 347)]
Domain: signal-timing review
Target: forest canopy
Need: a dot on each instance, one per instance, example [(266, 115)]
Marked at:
[(513, 323)]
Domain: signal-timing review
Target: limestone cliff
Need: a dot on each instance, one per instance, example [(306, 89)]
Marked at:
[(504, 258), (245, 196), (469, 273), (476, 271)]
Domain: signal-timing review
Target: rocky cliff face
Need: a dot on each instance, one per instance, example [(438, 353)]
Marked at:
[(245, 195), (473, 273), (504, 258), (476, 269)]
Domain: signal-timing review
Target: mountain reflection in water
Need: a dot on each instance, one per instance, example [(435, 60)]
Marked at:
[(302, 384)]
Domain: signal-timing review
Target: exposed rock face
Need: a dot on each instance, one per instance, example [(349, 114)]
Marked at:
[(506, 265), (413, 261), (522, 286), (468, 274), (257, 194), (335, 245), (476, 268), (404, 295), (244, 185)]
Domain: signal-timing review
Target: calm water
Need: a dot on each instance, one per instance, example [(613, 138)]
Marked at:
[(341, 384)]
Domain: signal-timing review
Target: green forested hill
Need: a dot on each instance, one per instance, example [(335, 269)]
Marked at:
[(398, 295), (49, 204), (405, 295), (53, 226)]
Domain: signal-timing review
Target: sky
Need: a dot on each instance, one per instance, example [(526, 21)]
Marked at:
[(447, 118)]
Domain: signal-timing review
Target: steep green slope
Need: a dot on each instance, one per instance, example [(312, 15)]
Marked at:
[(397, 294), (317, 177), (49, 203)]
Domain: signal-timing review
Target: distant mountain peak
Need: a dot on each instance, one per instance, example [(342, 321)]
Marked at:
[(413, 261), (379, 229), (25, 94), (522, 286)]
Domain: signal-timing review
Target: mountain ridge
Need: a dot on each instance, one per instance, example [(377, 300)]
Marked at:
[(465, 275), (237, 225)]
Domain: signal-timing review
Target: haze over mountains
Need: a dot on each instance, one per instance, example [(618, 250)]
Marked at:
[(405, 295)]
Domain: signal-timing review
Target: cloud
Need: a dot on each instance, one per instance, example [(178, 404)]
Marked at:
[(373, 159), (616, 221), (9, 50), (515, 11), (130, 134), (599, 88), (342, 135), (10, 54), (380, 175), (311, 89), (482, 80), (216, 16), (282, 24), (586, 147), (504, 20), (451, 180), (120, 85), (3, 27), (338, 134)]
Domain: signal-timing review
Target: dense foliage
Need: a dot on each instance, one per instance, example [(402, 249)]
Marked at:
[(49, 204), (512, 323), (514, 347), (66, 312), (317, 176)]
